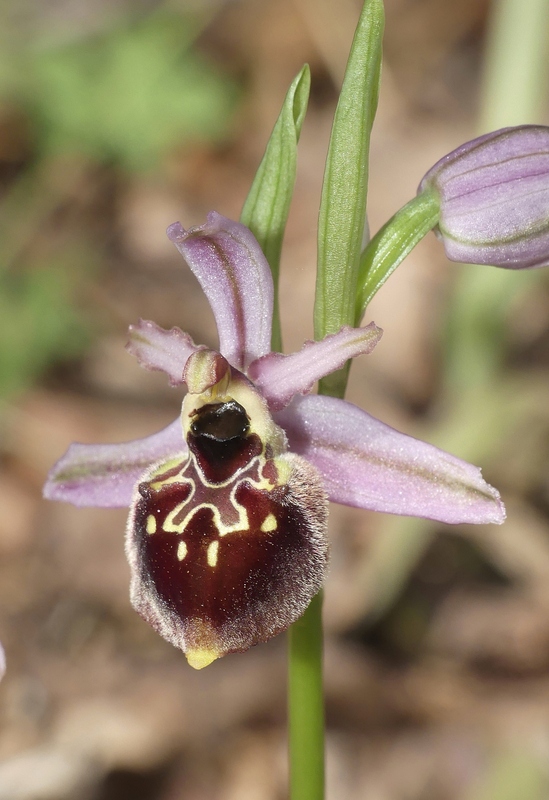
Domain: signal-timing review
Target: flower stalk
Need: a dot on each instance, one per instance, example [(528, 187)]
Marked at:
[(341, 226), (392, 243), (306, 704)]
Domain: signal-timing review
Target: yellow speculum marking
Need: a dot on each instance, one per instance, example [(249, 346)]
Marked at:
[(181, 551), (269, 524), (253, 473), (223, 526), (213, 550), (156, 485), (242, 523)]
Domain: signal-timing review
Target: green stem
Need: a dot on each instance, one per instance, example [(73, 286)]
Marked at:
[(306, 705), (306, 695), (340, 236), (392, 243)]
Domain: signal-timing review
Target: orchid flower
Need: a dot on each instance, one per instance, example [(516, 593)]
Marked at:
[(226, 536), (494, 198), (487, 201)]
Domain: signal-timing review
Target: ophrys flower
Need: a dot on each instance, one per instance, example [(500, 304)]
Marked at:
[(494, 198), (226, 537)]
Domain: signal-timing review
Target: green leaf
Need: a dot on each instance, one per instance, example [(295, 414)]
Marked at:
[(343, 204), (266, 208), (392, 243)]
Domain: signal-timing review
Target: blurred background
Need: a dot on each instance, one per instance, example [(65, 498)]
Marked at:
[(118, 118)]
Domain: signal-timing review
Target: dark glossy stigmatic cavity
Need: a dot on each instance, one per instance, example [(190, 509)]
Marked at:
[(220, 440), (220, 421)]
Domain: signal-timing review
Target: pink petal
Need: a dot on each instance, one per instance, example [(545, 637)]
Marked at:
[(280, 377), (105, 474), (158, 349), (235, 276), (366, 463)]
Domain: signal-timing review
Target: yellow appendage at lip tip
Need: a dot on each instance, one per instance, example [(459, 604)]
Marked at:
[(198, 659)]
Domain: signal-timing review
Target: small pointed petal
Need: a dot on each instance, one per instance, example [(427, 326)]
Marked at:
[(366, 463), (235, 276), (105, 474), (280, 377), (158, 349)]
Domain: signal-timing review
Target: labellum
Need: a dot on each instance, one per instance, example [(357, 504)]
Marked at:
[(227, 544)]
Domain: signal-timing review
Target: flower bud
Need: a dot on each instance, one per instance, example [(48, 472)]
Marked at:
[(494, 198)]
